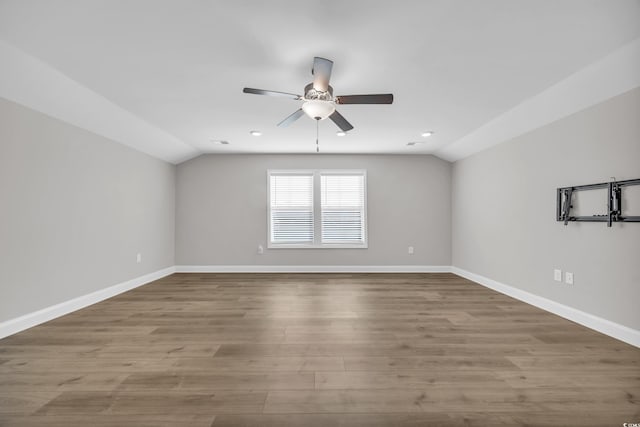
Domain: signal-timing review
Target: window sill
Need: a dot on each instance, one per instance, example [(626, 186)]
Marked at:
[(301, 246)]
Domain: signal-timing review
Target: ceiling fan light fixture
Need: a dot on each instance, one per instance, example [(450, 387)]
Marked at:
[(317, 109), (426, 134), (341, 133), (255, 133)]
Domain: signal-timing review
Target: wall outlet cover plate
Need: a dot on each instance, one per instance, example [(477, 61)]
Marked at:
[(568, 278)]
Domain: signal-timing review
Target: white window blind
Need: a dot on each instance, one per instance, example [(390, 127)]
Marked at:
[(317, 208), (291, 210), (343, 208)]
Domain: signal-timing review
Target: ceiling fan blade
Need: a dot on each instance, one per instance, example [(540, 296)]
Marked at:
[(292, 118), (321, 73), (342, 123), (271, 93), (383, 98)]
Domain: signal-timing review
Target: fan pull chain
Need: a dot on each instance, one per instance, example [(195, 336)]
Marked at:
[(317, 135)]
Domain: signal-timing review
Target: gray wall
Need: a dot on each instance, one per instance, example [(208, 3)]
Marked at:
[(504, 224), (221, 214), (75, 209)]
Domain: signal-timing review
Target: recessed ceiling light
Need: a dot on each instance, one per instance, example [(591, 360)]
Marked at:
[(426, 134), (255, 133), (341, 133), (220, 142)]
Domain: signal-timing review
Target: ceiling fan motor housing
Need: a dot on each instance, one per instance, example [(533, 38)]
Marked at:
[(312, 93)]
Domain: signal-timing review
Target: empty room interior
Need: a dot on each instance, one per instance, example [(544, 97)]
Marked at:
[(339, 213)]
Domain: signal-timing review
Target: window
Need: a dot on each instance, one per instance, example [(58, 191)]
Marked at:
[(317, 209), (342, 204), (291, 214)]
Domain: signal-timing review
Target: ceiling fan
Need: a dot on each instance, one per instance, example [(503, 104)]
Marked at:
[(319, 102)]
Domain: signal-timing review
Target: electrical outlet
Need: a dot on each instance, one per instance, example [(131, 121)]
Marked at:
[(557, 275), (139, 258), (260, 250), (410, 250), (568, 278)]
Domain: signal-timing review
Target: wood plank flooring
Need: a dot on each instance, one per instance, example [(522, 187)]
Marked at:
[(338, 350)]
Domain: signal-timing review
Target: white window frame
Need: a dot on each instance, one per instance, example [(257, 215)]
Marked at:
[(317, 209)]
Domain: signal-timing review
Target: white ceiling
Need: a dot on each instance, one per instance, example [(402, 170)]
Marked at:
[(453, 65)]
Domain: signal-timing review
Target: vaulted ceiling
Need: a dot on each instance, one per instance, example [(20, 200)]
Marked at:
[(179, 66)]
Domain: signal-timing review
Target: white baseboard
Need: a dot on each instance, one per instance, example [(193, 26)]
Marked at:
[(313, 269), (607, 327), (26, 321)]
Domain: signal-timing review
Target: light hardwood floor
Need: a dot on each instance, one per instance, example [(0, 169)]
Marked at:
[(314, 350)]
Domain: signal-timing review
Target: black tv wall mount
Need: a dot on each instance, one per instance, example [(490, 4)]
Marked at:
[(614, 203)]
